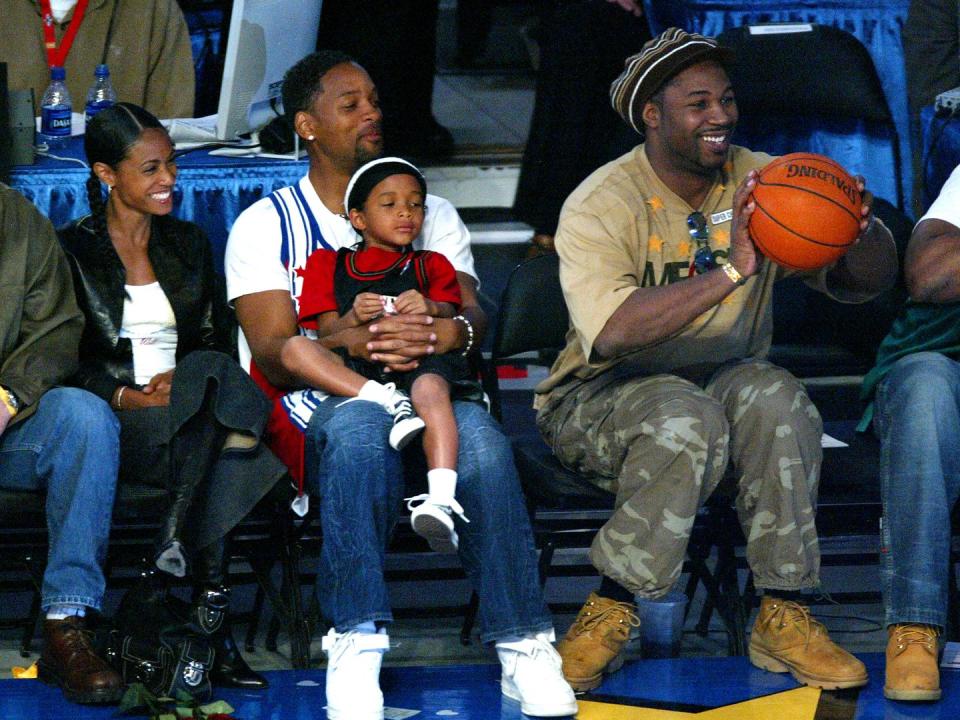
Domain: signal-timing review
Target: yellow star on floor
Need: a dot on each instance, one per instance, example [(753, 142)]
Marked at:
[(655, 203), (654, 244), (798, 704)]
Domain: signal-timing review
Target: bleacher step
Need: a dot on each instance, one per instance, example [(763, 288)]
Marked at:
[(474, 185)]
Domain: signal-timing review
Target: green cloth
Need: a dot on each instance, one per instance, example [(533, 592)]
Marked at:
[(920, 327)]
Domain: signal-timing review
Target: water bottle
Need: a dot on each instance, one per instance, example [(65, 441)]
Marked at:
[(55, 110), (101, 94)]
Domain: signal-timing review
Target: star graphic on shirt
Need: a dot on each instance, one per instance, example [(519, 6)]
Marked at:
[(655, 203), (655, 244), (721, 237), (683, 248), (300, 273)]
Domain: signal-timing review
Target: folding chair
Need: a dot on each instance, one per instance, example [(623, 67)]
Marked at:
[(566, 509)]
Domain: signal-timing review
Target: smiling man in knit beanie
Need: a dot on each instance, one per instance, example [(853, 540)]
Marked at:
[(663, 382)]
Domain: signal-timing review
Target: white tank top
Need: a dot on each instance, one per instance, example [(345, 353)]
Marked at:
[(149, 322)]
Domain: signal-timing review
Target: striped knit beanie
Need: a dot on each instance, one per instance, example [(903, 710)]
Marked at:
[(659, 60)]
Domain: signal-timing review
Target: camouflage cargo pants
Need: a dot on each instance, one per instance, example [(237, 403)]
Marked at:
[(662, 444)]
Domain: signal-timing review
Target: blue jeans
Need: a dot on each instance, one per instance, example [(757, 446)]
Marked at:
[(69, 448), (917, 417), (359, 482)]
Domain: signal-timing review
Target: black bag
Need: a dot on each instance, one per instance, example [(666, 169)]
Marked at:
[(152, 643), (277, 136)]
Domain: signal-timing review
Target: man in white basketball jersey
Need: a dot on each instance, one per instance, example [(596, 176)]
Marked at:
[(341, 450)]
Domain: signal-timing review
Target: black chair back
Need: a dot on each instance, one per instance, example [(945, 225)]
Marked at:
[(536, 316), (824, 73), (532, 318), (815, 336)]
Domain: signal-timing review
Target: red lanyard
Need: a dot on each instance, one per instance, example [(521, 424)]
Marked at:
[(57, 57)]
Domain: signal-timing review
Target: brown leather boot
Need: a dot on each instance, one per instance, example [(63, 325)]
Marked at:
[(594, 643), (68, 661), (786, 638), (912, 672)]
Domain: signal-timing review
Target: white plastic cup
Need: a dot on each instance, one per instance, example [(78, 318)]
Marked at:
[(661, 624)]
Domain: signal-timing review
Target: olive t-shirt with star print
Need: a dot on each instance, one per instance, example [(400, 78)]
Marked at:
[(624, 229)]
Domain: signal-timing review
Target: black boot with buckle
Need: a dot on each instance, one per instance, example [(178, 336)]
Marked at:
[(210, 614)]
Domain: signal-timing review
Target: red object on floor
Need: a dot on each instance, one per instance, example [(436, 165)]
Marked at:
[(511, 372)]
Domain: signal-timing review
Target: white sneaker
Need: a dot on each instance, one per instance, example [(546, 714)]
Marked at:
[(432, 520), (406, 423), (533, 676), (353, 674)]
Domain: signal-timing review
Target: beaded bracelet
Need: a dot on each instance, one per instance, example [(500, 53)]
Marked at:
[(469, 346)]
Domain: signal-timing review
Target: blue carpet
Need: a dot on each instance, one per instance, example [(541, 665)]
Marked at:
[(664, 687)]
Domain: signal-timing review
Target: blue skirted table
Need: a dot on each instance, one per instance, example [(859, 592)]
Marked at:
[(210, 191), (876, 23)]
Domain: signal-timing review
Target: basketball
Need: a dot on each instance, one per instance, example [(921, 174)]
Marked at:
[(807, 211)]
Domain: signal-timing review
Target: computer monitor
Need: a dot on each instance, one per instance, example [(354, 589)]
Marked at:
[(266, 38)]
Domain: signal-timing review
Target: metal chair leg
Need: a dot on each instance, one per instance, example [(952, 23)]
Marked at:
[(253, 626), (26, 641), (469, 618)]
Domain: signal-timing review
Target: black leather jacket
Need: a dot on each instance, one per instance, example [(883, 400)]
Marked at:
[(183, 263)]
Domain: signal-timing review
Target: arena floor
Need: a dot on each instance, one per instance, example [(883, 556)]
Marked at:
[(708, 688)]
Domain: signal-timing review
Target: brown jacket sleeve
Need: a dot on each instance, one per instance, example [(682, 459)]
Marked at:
[(170, 86), (40, 323)]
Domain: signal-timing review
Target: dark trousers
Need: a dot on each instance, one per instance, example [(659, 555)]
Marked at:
[(574, 129), (395, 41), (211, 396)]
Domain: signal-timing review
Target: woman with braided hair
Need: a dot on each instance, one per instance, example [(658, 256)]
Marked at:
[(155, 347)]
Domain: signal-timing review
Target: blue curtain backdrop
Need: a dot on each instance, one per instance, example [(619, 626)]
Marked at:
[(210, 191)]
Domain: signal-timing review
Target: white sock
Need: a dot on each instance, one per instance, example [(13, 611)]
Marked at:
[(374, 392), (65, 610), (442, 483), (512, 640)]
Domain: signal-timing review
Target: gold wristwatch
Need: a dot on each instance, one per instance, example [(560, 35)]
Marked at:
[(10, 399), (733, 274)]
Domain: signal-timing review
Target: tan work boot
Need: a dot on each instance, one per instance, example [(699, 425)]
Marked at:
[(594, 643), (912, 672), (786, 639)]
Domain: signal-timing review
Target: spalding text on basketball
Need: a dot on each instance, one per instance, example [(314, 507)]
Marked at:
[(796, 170)]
